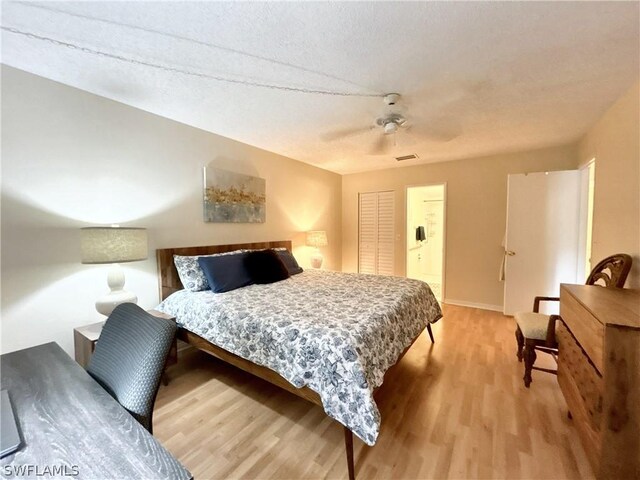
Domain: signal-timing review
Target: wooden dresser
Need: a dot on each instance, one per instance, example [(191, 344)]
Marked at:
[(599, 374)]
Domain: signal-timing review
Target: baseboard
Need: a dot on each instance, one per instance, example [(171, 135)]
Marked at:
[(482, 306)]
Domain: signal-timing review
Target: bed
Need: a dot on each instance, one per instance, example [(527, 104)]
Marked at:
[(328, 337)]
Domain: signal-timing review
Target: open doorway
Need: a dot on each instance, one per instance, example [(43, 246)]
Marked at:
[(587, 191), (426, 209)]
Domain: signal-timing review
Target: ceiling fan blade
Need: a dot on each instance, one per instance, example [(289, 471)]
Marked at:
[(382, 145), (344, 133)]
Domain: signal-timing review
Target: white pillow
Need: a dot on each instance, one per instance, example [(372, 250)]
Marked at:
[(190, 273)]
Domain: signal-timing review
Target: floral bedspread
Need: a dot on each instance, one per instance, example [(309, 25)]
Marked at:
[(337, 333)]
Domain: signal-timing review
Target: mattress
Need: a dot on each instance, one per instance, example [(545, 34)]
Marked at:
[(336, 333)]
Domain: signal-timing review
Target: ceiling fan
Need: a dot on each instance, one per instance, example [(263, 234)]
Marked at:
[(392, 129)]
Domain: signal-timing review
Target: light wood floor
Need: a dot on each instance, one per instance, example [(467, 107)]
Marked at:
[(456, 409)]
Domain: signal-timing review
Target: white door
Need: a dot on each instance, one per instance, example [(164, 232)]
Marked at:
[(367, 232), (541, 247), (386, 220), (376, 218)]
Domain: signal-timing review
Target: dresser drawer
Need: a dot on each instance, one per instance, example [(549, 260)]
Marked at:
[(582, 387), (586, 328), (599, 374), (583, 375)]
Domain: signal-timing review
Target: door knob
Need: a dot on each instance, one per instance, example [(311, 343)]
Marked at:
[(510, 253)]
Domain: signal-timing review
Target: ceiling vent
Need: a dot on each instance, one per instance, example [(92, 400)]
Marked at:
[(413, 156)]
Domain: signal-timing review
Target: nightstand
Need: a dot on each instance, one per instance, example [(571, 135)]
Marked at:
[(86, 337), (84, 341)]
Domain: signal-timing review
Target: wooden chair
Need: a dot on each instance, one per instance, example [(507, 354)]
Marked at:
[(537, 331)]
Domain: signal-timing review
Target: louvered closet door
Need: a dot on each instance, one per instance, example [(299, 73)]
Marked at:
[(376, 233), (386, 217), (367, 232)]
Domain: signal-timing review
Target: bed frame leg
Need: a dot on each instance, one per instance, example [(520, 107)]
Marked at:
[(348, 445), (430, 333)]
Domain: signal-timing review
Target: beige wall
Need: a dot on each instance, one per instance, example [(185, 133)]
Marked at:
[(72, 159), (614, 141), (476, 215)]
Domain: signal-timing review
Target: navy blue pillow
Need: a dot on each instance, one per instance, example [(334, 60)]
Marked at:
[(265, 266), (289, 261), (225, 272)]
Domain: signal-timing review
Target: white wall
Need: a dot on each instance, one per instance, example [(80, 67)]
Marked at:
[(614, 141), (72, 159), (432, 261), (413, 247)]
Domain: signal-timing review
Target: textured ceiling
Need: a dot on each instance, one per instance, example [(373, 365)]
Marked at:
[(496, 76)]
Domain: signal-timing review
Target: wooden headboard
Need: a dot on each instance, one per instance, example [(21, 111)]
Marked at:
[(168, 280)]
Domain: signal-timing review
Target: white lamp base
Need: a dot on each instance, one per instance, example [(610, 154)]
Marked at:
[(117, 295), (316, 259)]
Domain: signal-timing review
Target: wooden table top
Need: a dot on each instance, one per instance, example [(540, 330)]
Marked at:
[(611, 306), (67, 418)]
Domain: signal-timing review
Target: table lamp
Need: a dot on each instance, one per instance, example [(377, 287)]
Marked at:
[(317, 238), (113, 245)]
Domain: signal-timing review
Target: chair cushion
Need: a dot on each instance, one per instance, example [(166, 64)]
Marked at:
[(533, 325)]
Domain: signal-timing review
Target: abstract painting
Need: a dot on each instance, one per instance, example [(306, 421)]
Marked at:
[(233, 198)]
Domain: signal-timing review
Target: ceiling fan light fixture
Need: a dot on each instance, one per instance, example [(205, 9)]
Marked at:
[(390, 127)]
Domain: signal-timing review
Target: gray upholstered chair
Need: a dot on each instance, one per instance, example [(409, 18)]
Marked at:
[(130, 356), (537, 331)]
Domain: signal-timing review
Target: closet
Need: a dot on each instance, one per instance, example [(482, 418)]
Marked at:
[(376, 232)]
